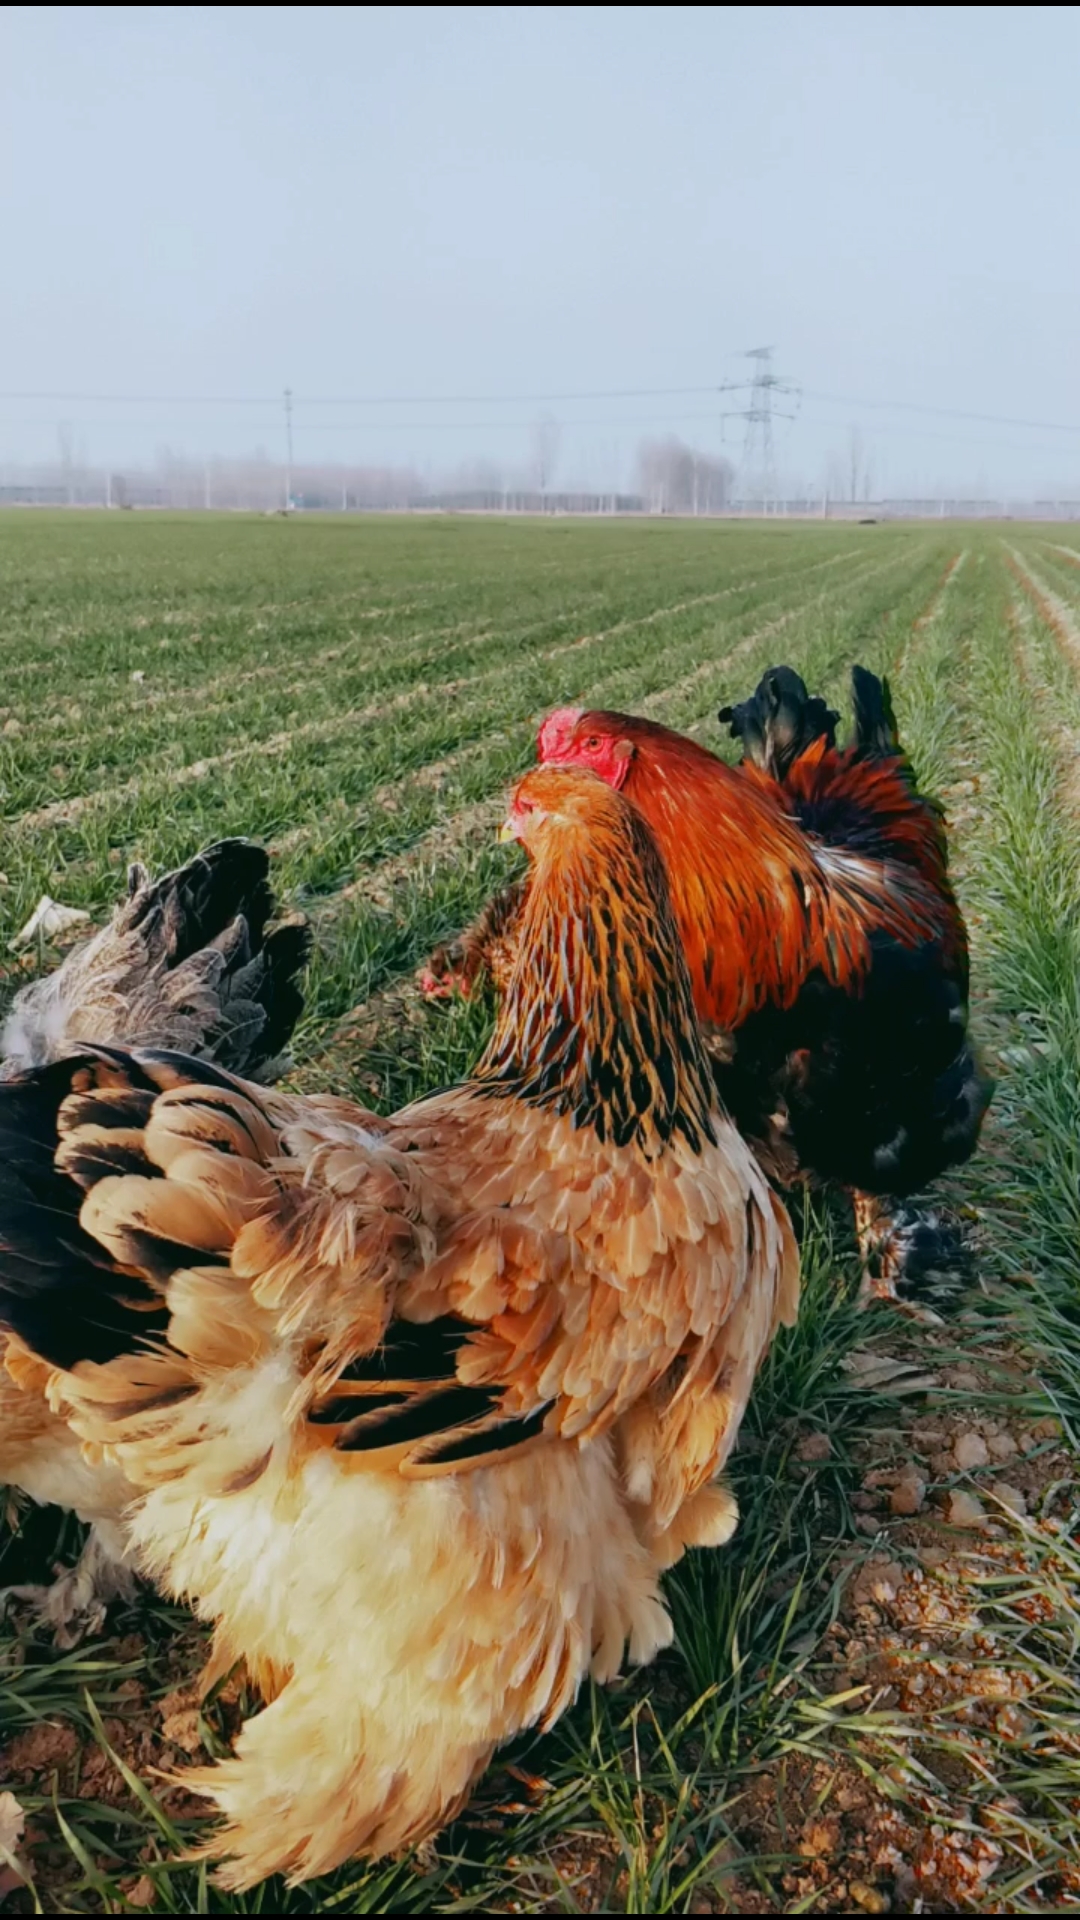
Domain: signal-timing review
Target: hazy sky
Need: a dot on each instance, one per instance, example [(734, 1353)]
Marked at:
[(430, 204)]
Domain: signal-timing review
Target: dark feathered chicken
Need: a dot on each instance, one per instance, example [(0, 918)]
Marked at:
[(910, 1023), (188, 960)]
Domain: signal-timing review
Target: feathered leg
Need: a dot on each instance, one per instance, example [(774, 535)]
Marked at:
[(311, 1785), (485, 951), (76, 1602), (908, 1255), (878, 1282)]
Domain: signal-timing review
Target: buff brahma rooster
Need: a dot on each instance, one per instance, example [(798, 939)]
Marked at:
[(418, 1408)]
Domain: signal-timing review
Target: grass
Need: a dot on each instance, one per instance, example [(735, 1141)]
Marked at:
[(359, 694)]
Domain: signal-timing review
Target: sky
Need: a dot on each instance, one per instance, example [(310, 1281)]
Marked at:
[(440, 225)]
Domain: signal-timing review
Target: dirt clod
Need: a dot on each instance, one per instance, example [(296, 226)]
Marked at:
[(965, 1509), (909, 1494), (970, 1450)]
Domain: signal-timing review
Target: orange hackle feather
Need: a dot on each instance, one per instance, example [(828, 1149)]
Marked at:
[(760, 906), (598, 1018)]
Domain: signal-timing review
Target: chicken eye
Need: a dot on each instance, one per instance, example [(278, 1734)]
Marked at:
[(593, 745)]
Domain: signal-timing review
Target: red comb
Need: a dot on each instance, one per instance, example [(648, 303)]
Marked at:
[(554, 736)]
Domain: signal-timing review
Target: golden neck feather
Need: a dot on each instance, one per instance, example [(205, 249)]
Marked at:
[(598, 1020)]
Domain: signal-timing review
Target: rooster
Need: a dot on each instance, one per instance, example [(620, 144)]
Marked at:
[(827, 953), (417, 1408), (864, 799), (185, 961)]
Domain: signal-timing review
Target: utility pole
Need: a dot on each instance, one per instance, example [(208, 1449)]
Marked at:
[(288, 448), (758, 475)]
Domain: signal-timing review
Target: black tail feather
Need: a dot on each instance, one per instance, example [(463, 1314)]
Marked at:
[(187, 961), (934, 1256), (779, 721), (876, 731), (222, 899), (198, 901), (260, 999), (286, 953)]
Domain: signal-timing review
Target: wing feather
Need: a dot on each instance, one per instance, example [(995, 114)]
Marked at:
[(430, 1315)]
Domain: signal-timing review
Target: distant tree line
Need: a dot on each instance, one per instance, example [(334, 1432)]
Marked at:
[(674, 478), (671, 478)]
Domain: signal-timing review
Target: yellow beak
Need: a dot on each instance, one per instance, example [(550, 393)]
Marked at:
[(506, 832)]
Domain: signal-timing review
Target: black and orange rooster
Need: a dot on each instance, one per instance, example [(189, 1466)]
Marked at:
[(825, 945), (865, 798)]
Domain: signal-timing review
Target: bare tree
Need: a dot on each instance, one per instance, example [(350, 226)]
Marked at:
[(854, 461), (63, 437), (678, 479), (546, 437), (836, 476)]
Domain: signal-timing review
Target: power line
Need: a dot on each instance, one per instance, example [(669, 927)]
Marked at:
[(502, 399), (20, 396), (620, 422), (147, 399), (354, 400), (944, 413), (386, 426)]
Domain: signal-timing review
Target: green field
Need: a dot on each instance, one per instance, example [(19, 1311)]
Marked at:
[(866, 1708)]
